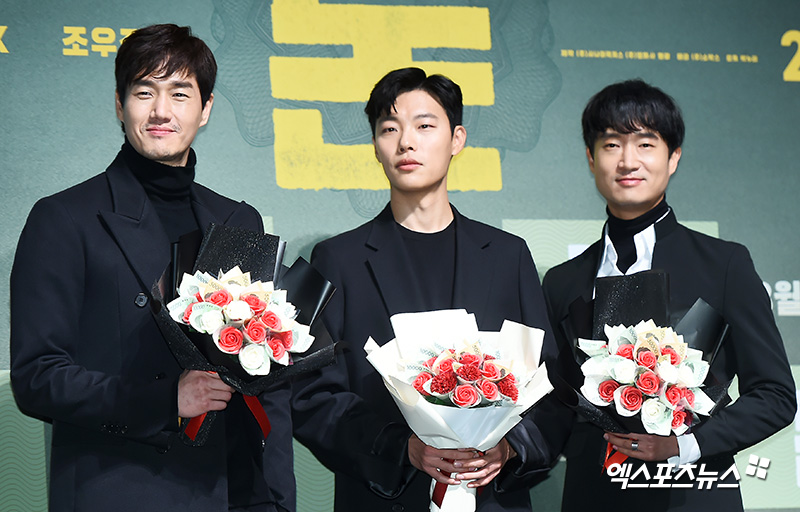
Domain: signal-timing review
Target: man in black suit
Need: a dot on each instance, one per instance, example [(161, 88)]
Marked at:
[(633, 134), (86, 353), (418, 254)]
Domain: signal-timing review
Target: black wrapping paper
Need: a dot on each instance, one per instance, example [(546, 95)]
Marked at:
[(702, 326), (222, 248), (629, 299)]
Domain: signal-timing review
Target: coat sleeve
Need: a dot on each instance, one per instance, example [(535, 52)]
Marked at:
[(755, 352), (355, 441), (539, 438), (48, 339)]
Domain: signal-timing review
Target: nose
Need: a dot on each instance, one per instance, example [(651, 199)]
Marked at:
[(407, 141), (161, 108), (629, 159)]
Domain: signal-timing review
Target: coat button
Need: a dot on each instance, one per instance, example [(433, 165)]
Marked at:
[(161, 375), (140, 300), (398, 507)]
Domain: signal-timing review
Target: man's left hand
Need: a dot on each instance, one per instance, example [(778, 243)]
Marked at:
[(486, 467), (649, 447)]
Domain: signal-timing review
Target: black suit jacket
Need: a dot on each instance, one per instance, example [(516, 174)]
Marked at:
[(86, 354), (722, 274), (345, 415)]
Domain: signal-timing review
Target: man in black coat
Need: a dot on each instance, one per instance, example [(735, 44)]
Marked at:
[(418, 254), (86, 353), (633, 134)]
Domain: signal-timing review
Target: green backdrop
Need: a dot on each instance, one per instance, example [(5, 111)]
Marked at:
[(288, 135)]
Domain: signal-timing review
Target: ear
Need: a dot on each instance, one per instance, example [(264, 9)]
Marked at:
[(590, 159), (459, 140), (674, 158), (207, 109), (118, 106), (375, 150)]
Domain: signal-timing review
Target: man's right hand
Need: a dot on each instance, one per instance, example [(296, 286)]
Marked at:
[(201, 392)]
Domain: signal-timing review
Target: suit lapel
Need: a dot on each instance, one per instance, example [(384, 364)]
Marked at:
[(475, 267), (391, 266), (135, 226)]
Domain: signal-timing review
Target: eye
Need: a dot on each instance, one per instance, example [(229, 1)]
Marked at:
[(424, 126), (142, 94), (388, 129)]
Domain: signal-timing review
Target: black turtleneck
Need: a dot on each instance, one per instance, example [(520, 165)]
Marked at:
[(622, 231), (168, 188)]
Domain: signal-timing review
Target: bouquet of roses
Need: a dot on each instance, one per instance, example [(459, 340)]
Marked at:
[(458, 387), (251, 321), (240, 323), (649, 371), (467, 377)]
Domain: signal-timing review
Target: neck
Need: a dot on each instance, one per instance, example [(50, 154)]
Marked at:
[(424, 212)]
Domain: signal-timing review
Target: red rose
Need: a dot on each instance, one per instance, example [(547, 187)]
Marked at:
[(271, 320), (678, 418), (443, 383), (490, 371), (606, 390), (688, 394), (674, 358), (286, 338), (230, 340), (488, 357), (646, 358), (220, 297), (673, 394), (198, 297), (278, 350), (429, 362), (631, 398), (626, 351), (256, 331), (508, 387), (469, 372), (489, 390), (188, 312), (466, 396), (421, 379), (648, 382), (257, 306), (468, 358), (446, 365)]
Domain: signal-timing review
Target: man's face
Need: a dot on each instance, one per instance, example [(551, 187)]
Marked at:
[(632, 170), (162, 116), (414, 143)]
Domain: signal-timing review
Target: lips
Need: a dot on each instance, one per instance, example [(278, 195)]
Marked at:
[(629, 181), (407, 164), (160, 130)]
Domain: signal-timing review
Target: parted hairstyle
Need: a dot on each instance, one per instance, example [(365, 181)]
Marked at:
[(164, 50), (384, 95), (630, 106)]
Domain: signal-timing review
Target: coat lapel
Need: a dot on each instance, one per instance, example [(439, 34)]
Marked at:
[(391, 266), (475, 267), (135, 226)]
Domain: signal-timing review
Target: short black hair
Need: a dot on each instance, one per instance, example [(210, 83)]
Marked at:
[(384, 95), (164, 50), (630, 106)]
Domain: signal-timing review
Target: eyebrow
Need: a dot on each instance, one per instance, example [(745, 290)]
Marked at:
[(644, 134), (424, 115), (177, 84)]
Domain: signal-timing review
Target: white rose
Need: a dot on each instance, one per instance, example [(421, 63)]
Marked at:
[(238, 311), (621, 369), (667, 372), (199, 312), (656, 417), (254, 360), (593, 348)]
